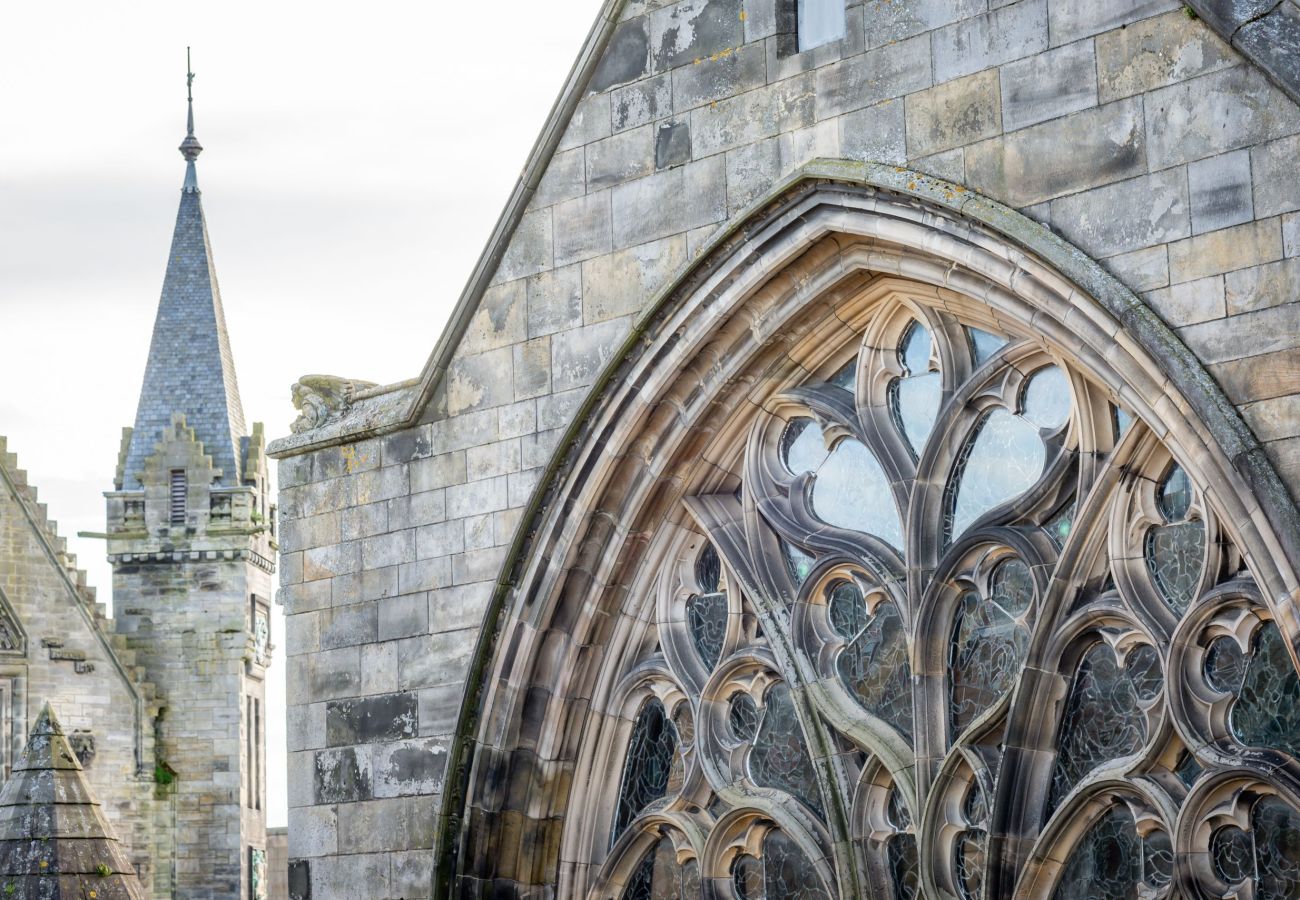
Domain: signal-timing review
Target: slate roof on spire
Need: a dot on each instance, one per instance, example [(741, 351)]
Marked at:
[(190, 368), (54, 840)]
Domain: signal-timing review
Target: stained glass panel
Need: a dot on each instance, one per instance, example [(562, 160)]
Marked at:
[(798, 563), (914, 398), (984, 344), (1157, 859), (1175, 496), (779, 758), (1107, 863), (648, 763), (802, 448), (1102, 721), (708, 569), (875, 668), (1175, 555), (1233, 854), (904, 867), (1276, 832), (706, 619), (852, 492), (989, 642), (783, 872), (742, 717), (659, 877), (1003, 460), (1267, 711), (969, 863)]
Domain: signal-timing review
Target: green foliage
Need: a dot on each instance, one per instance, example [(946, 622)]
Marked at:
[(163, 774), (1190, 13), (103, 870)]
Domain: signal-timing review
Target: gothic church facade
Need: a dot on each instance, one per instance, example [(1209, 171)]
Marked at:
[(862, 464)]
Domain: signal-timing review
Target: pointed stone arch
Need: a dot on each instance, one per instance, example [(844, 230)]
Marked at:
[(771, 301)]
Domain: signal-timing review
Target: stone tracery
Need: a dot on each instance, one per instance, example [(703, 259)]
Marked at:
[(1066, 539)]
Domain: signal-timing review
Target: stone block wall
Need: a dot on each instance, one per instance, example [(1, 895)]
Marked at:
[(1126, 126)]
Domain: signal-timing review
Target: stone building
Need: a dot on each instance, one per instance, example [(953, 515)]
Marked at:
[(166, 700), (862, 463)]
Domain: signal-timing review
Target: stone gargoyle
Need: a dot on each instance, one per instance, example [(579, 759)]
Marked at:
[(322, 398)]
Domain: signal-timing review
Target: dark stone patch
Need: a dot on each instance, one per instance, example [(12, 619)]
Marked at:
[(673, 145), (340, 778), (300, 879), (416, 764), (387, 717), (696, 30), (627, 56), (406, 446)]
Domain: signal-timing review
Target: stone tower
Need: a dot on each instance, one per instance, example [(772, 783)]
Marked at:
[(190, 539)]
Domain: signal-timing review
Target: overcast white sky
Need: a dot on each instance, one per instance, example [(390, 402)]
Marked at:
[(356, 158)]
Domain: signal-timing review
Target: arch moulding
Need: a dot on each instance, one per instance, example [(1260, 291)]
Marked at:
[(776, 297)]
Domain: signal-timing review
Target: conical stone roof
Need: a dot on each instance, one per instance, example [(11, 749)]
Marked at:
[(54, 840)]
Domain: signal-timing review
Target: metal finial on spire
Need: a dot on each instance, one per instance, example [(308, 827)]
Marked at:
[(190, 147)]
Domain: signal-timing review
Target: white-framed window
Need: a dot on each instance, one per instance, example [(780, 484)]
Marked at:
[(820, 22)]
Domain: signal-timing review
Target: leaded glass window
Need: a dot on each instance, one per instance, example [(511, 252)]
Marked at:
[(947, 602)]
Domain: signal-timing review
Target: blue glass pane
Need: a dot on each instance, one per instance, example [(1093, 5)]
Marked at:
[(708, 569), (987, 651), (802, 449), (1175, 495), (1004, 460), (1267, 711), (1174, 556), (914, 352), (875, 668), (914, 403), (1107, 863), (820, 22), (1157, 859), (1102, 720), (1123, 421), (984, 344), (1047, 398), (780, 756), (852, 492), (1059, 526), (650, 754)]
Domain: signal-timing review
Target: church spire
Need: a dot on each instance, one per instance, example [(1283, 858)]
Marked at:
[(190, 147), (190, 370)]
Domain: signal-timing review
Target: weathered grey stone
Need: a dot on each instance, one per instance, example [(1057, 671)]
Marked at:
[(480, 381), (1220, 191), (627, 55), (405, 823), (1141, 270), (803, 145), (554, 301), (1191, 302), (364, 720), (404, 616), (618, 283), (953, 114), (874, 134), (1048, 85), (410, 767), (613, 160), (412, 873), (1276, 173), (1129, 215), (351, 874), (582, 225), (1157, 52), (1252, 334), (888, 21), (1071, 21), (1290, 236), (461, 606), (405, 446), (693, 29), (1089, 148), (342, 775), (591, 121), (434, 659), (579, 355), (501, 319), (1274, 419), (752, 116), (751, 169), (439, 708), (643, 102), (475, 497), (417, 509), (532, 368), (530, 248), (982, 42), (517, 419), (459, 432), (313, 831), (1261, 287), (565, 178), (1221, 251), (344, 626), (1273, 43), (672, 144), (1214, 113), (670, 201), (720, 76), (880, 74)]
